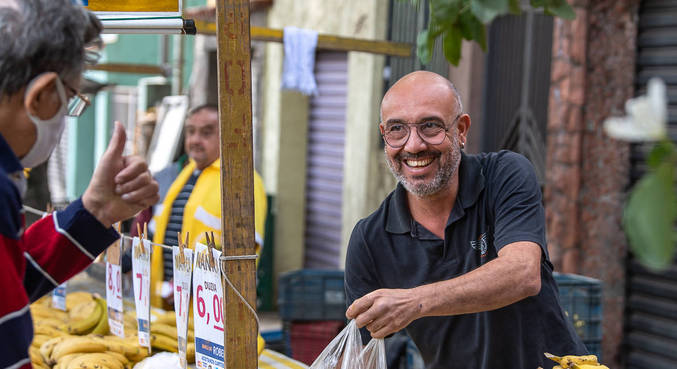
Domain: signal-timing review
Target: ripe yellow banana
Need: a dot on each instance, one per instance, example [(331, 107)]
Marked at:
[(73, 345), (39, 339), (163, 329), (101, 326), (47, 347), (129, 347), (34, 354), (164, 343), (64, 360), (45, 312), (190, 352), (76, 298), (48, 331), (97, 360), (575, 362), (118, 356), (169, 318), (85, 324)]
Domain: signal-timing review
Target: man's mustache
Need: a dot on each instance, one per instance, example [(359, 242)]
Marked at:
[(423, 154)]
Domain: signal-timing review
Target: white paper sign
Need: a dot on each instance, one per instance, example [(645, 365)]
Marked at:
[(114, 299), (207, 309), (183, 275), (59, 297), (141, 281)]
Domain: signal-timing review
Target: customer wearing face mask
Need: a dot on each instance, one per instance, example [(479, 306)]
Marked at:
[(42, 56)]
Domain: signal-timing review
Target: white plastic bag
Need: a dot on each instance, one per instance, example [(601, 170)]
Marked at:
[(373, 355), (347, 346)]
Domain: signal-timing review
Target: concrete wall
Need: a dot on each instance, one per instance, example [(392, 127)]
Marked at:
[(285, 121)]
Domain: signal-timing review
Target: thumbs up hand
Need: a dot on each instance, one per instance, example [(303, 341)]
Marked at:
[(121, 185)]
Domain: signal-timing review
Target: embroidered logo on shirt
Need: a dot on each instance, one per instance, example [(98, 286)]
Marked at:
[(480, 244)]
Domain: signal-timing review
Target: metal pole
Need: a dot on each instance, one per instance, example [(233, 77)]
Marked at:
[(237, 177)]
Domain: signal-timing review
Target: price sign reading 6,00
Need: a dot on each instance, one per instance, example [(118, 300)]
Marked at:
[(207, 308), (216, 309)]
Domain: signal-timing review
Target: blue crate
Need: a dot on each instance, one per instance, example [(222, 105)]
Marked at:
[(312, 294), (581, 299)]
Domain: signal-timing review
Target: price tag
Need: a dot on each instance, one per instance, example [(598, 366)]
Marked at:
[(59, 297), (207, 309), (141, 281), (114, 290), (183, 275)]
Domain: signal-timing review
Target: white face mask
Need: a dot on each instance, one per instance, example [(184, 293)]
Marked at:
[(48, 132)]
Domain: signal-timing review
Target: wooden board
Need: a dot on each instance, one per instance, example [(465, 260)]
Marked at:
[(133, 5), (324, 42)]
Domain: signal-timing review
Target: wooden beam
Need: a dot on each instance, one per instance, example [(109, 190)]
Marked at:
[(237, 180), (129, 68), (133, 6), (324, 42)]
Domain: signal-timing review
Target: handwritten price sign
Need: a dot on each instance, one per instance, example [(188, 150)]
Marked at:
[(207, 309), (141, 281), (114, 299), (183, 275)]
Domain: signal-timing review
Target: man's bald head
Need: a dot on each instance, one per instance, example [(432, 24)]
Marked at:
[(429, 79)]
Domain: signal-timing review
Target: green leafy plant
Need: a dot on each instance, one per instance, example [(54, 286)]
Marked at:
[(456, 20), (651, 211)]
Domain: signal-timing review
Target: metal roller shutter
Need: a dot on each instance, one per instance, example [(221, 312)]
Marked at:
[(651, 307), (324, 176)]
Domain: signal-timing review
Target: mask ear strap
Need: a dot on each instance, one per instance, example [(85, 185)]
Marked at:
[(61, 91)]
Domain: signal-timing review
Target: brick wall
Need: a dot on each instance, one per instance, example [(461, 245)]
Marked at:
[(593, 69)]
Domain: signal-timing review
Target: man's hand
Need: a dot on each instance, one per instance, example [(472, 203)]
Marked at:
[(385, 311), (121, 185)]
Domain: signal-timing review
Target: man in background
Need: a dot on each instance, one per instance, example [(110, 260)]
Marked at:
[(193, 201)]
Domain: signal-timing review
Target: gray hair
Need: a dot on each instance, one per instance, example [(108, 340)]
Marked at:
[(44, 36)]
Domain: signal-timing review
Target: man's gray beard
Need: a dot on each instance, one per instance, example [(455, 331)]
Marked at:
[(441, 179)]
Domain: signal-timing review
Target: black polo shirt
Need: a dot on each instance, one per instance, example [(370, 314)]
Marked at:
[(498, 203)]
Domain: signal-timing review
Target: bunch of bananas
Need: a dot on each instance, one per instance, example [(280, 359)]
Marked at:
[(576, 362), (79, 337), (163, 332), (90, 351)]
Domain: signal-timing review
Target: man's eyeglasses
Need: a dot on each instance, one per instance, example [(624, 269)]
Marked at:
[(396, 134), (76, 104)]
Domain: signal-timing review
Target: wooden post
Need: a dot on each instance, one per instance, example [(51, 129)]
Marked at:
[(237, 180)]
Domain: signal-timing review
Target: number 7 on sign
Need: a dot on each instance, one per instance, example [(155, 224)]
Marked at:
[(140, 276)]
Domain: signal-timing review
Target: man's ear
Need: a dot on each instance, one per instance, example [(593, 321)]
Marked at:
[(463, 126), (41, 98)]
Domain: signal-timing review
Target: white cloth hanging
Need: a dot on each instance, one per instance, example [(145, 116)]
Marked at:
[(299, 60)]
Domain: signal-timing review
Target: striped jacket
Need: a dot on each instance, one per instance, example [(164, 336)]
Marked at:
[(35, 260)]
